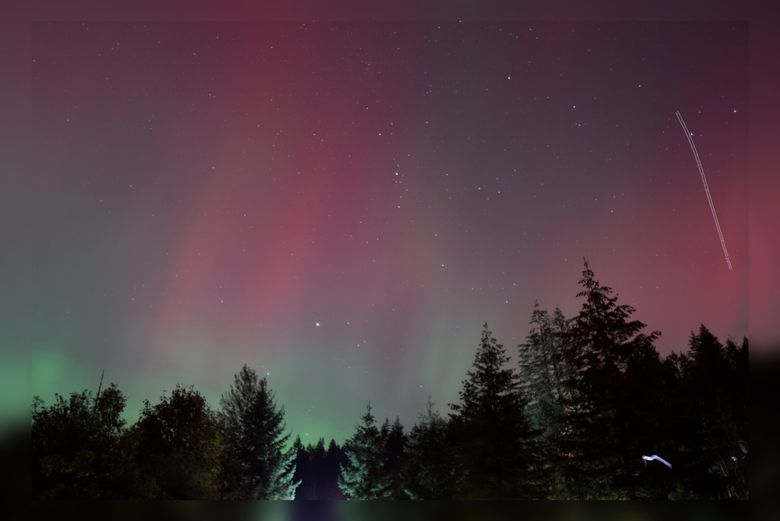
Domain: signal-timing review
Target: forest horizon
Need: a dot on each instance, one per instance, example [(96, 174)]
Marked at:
[(574, 385), (130, 414)]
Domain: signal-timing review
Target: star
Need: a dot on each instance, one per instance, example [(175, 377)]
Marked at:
[(316, 324)]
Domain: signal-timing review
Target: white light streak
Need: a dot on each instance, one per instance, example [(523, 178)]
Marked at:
[(689, 136), (658, 458)]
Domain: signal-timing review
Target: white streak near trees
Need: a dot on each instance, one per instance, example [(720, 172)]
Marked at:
[(689, 136), (657, 458)]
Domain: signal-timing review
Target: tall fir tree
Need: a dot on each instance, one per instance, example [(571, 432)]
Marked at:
[(334, 459), (362, 475), (493, 451), (542, 369), (394, 458), (428, 473), (256, 464), (595, 448), (717, 379)]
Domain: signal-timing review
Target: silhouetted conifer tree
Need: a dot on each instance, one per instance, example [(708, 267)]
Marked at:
[(429, 470), (542, 369), (493, 450), (334, 459), (595, 447), (716, 447), (362, 476), (256, 464), (394, 458)]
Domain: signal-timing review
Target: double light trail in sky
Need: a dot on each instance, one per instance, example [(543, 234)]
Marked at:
[(706, 187)]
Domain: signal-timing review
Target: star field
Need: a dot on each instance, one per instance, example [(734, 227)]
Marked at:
[(342, 206)]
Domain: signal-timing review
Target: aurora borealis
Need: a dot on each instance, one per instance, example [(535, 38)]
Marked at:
[(342, 205)]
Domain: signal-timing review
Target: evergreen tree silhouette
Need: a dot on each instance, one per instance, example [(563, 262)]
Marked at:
[(602, 339), (394, 457), (493, 449), (717, 380), (303, 471), (362, 476), (334, 459), (542, 369), (255, 461), (318, 469), (428, 471)]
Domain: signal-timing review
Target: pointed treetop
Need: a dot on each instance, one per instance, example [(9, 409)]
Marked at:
[(368, 417)]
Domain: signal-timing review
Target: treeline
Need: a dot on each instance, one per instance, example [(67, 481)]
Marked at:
[(317, 468), (589, 409), (178, 449)]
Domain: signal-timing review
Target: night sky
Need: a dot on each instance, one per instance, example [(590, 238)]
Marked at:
[(342, 205)]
